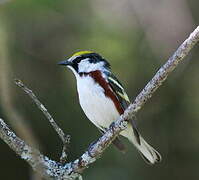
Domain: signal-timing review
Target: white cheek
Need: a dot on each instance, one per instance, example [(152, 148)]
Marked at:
[(86, 66)]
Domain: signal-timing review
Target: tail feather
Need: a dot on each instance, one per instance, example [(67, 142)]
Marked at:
[(150, 155)]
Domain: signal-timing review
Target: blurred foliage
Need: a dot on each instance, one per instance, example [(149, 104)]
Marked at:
[(41, 33)]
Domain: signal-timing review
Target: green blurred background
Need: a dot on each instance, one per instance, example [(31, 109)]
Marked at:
[(136, 37)]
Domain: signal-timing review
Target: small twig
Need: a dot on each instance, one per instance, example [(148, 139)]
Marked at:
[(65, 138)]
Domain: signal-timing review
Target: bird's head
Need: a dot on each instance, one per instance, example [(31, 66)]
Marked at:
[(85, 62)]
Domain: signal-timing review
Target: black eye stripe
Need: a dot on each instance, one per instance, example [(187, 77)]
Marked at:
[(93, 58), (77, 60)]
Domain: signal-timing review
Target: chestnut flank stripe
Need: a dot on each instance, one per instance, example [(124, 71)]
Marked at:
[(97, 76)]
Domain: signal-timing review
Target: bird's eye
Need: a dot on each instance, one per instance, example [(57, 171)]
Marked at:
[(78, 59)]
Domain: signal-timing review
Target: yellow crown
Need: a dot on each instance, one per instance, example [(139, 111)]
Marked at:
[(82, 53)]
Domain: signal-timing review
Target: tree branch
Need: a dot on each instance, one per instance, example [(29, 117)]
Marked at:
[(42, 164), (54, 170)]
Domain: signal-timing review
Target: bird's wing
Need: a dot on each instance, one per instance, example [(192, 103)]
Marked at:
[(119, 91), (122, 97)]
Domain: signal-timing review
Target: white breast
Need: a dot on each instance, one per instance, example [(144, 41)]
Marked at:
[(99, 109)]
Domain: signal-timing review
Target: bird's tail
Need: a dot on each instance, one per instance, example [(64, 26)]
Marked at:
[(150, 155)]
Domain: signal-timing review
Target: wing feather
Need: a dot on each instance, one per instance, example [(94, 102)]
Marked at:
[(119, 91), (122, 96)]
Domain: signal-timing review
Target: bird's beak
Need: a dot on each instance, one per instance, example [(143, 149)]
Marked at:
[(65, 63)]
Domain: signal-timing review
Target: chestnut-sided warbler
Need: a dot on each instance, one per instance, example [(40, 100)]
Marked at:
[(103, 99)]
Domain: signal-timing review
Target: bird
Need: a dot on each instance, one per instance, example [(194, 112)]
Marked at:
[(103, 99)]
